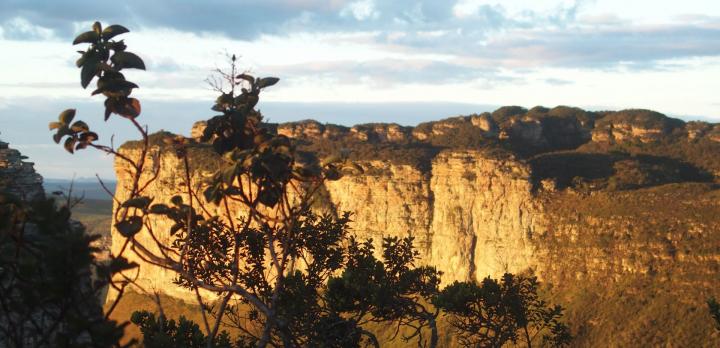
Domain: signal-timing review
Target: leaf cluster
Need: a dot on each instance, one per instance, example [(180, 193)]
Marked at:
[(160, 332), (104, 59), (496, 312), (284, 275)]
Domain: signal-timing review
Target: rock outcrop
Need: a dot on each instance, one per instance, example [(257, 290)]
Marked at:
[(540, 190), (18, 177)]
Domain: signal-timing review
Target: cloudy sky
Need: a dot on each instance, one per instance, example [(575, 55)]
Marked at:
[(359, 61)]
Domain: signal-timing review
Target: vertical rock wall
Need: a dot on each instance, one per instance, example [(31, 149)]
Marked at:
[(482, 216), (17, 177), (471, 215)]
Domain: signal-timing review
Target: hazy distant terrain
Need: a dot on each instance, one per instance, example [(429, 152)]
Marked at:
[(88, 188)]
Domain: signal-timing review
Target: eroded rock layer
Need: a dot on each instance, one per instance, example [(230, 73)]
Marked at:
[(582, 199)]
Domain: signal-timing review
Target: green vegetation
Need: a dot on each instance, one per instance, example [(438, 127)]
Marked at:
[(646, 119), (495, 313), (282, 275), (286, 276), (46, 295), (637, 310), (614, 171)]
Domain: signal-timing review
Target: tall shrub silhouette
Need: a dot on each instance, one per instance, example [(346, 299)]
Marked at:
[(273, 262), (282, 275)]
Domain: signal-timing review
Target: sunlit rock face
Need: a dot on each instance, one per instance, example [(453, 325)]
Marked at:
[(482, 216), (491, 193)]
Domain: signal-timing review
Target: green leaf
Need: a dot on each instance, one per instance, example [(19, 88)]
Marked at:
[(128, 107), (246, 77), (109, 107), (67, 116), (88, 137), (267, 82), (55, 125), (89, 69), (97, 27), (137, 202), (79, 126), (86, 37), (114, 30), (83, 58), (61, 132), (81, 145), (70, 144), (125, 59), (114, 87), (129, 227)]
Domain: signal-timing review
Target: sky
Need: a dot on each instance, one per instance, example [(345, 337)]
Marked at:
[(357, 61)]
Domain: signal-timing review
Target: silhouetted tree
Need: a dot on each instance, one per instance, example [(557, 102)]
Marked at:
[(283, 275), (274, 262), (494, 313), (48, 295)]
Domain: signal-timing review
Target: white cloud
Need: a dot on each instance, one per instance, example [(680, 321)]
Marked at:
[(368, 56), (361, 10), (21, 28)]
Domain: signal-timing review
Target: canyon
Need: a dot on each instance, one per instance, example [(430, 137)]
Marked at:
[(615, 212)]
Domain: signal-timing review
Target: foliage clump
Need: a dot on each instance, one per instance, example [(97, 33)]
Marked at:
[(283, 275), (48, 296)]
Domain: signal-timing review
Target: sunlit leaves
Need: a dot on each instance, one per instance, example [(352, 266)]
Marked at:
[(86, 37), (67, 116), (126, 107), (79, 126), (78, 134), (114, 30), (97, 27), (70, 144)]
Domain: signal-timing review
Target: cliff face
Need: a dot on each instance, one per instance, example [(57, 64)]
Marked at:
[(592, 203), (18, 177), (482, 216)]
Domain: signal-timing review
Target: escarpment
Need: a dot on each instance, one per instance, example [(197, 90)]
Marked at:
[(591, 202), (18, 177)]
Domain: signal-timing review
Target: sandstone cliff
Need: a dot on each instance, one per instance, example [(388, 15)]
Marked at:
[(592, 203), (17, 176)]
